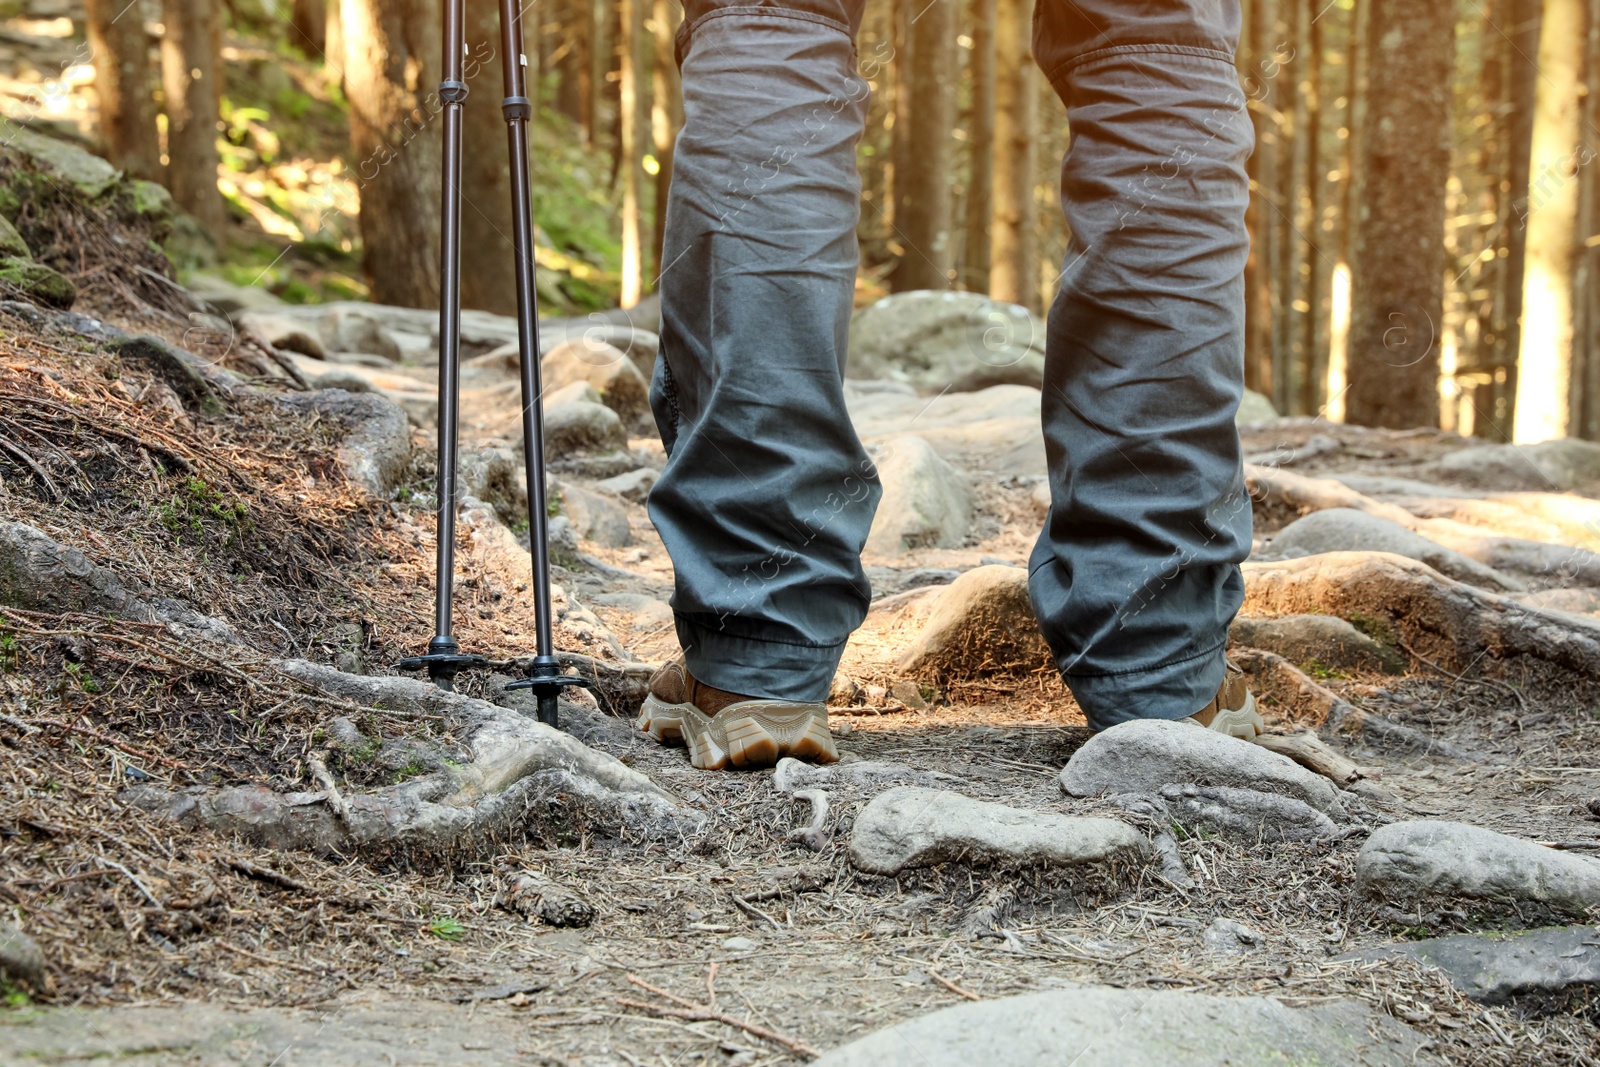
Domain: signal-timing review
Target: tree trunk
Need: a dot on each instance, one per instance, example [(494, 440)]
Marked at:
[(600, 54), (900, 146), (1398, 294), (191, 75), (489, 277), (392, 57), (308, 23), (925, 224), (1350, 176), (980, 148), (1016, 110), (1586, 318), (1313, 362), (1544, 372), (122, 82), (666, 117), (1262, 217), (632, 122), (570, 59), (1292, 229), (333, 36)]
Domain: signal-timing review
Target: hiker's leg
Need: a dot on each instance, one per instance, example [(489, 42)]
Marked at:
[(767, 494), (1135, 578)]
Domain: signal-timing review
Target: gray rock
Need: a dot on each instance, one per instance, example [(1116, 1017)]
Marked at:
[(341, 378), (582, 427), (497, 477), (376, 450), (995, 429), (910, 826), (620, 385), (282, 332), (982, 622), (644, 612), (431, 1032), (64, 162), (1349, 530), (931, 339), (633, 486), (1247, 814), (1089, 1026), (353, 328), (926, 502), (1422, 860), (1326, 639), (232, 300), (739, 944), (1225, 937), (21, 961), (11, 242), (596, 518), (1559, 466), (1255, 409), (1498, 968), (43, 285), (1146, 754), (570, 393)]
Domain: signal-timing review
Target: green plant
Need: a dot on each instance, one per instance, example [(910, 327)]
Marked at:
[(446, 928), (82, 678)]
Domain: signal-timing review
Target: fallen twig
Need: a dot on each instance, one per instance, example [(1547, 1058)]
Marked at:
[(263, 874), (755, 912), (330, 792), (708, 1014), (812, 836), (957, 990)]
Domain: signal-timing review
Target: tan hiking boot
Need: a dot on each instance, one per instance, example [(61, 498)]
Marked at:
[(1233, 710), (722, 729)]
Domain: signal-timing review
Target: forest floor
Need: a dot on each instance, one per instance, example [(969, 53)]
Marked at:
[(194, 945)]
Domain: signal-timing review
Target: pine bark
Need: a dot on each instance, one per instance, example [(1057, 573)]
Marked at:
[(1397, 299), (1313, 351), (489, 273), (925, 218), (308, 24), (391, 73), (980, 148), (191, 75), (1262, 216), (1292, 230), (1544, 372), (666, 117), (122, 80), (1016, 111), (632, 126)]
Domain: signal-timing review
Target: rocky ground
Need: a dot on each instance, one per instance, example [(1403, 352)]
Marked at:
[(231, 833)]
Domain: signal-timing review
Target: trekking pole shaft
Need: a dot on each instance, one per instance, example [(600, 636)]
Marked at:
[(518, 110), (453, 92)]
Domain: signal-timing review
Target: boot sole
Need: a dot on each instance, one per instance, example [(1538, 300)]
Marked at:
[(751, 733)]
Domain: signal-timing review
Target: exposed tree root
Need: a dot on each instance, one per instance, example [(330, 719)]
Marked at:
[(524, 778), (1434, 614)]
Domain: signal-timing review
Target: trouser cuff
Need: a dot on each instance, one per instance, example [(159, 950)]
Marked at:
[(1171, 691), (749, 666)]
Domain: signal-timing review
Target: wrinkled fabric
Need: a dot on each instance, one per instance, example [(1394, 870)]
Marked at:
[(768, 496), (1135, 577)]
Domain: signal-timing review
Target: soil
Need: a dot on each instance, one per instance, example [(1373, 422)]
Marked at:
[(795, 942)]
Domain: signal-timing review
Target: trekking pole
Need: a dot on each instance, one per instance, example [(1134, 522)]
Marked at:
[(444, 659), (544, 678)]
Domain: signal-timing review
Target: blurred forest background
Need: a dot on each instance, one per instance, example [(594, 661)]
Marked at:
[(1425, 212)]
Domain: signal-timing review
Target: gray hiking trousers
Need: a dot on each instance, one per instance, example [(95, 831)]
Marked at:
[(768, 495)]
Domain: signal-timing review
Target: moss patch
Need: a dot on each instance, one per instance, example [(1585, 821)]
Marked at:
[(37, 282)]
